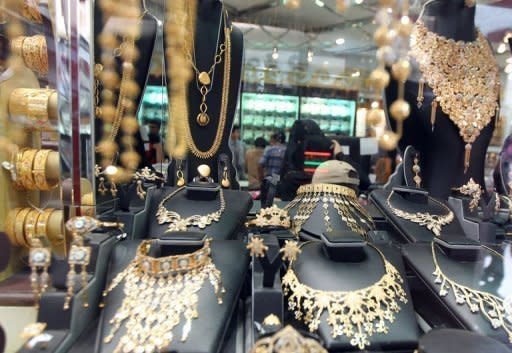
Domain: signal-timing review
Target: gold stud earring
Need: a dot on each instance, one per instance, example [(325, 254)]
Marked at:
[(416, 169), (225, 178)]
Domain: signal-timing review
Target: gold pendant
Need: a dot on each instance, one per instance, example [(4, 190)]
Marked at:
[(204, 78), (180, 181), (202, 119)]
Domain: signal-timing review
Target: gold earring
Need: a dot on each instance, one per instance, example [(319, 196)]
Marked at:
[(180, 179), (113, 188), (39, 256), (420, 98), (225, 178), (416, 169)]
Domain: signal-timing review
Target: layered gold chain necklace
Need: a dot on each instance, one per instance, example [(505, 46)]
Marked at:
[(179, 223), (342, 198), (433, 222), (491, 307), (357, 314), (464, 78), (204, 79), (158, 292)]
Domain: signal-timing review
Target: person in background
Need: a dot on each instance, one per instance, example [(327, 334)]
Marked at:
[(272, 160), (252, 159), (153, 147), (238, 149)]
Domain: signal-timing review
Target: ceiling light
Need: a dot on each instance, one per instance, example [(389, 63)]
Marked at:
[(356, 74), (326, 62), (509, 76), (275, 53), (509, 60), (340, 41), (310, 59), (310, 55), (359, 2), (502, 48), (319, 3)]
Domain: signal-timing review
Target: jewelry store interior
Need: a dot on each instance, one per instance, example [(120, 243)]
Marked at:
[(256, 176)]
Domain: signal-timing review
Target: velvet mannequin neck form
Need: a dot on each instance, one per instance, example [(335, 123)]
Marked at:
[(441, 147)]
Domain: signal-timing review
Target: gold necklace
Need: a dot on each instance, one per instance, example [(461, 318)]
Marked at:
[(342, 198), (464, 78), (179, 223), (223, 106), (158, 292), (491, 307), (357, 314), (433, 222), (287, 340)]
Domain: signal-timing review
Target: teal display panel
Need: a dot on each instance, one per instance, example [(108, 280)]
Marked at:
[(334, 116)]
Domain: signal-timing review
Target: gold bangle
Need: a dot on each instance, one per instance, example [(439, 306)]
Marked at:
[(16, 160), (39, 171), (34, 103), (31, 11), (35, 53), (24, 169), (17, 45), (30, 226), (19, 226), (42, 222), (10, 221)]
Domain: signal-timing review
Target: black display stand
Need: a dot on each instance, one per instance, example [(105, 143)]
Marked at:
[(459, 341), (209, 329), (442, 148), (238, 204), (209, 32), (343, 275), (478, 269)]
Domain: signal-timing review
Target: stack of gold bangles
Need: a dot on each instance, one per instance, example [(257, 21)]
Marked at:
[(23, 225), (33, 51), (39, 105), (30, 170)]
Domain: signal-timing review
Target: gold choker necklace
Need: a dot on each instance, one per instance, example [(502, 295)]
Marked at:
[(158, 292), (357, 314), (178, 223), (433, 222), (342, 198), (464, 78), (491, 307)]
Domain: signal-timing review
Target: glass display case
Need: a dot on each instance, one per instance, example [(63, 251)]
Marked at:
[(334, 116)]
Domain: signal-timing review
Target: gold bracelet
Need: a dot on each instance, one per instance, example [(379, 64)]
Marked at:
[(35, 53), (327, 188), (10, 221), (17, 45), (35, 104), (30, 226), (42, 222), (39, 171), (31, 11), (24, 168), (19, 226), (15, 161)]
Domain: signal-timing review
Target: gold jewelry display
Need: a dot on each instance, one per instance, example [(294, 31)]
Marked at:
[(416, 170), (270, 217), (464, 78), (38, 105), (225, 182), (144, 174), (102, 188), (32, 330), (433, 222), (28, 170), (30, 11), (19, 227), (224, 101), (24, 168), (162, 292), (356, 314), (39, 171), (34, 52), (271, 320), (287, 340), (79, 254), (257, 247), (24, 225), (179, 223), (490, 306), (290, 250), (342, 198), (472, 190), (180, 178)]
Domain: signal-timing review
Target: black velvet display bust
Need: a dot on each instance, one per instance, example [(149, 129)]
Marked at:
[(442, 150), (145, 45), (209, 329), (210, 34), (315, 269), (459, 341)]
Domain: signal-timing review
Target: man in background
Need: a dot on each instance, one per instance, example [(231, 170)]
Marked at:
[(238, 149), (272, 160), (252, 160)]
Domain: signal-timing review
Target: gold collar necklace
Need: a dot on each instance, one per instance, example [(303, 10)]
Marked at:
[(464, 77), (179, 223), (342, 198), (491, 307), (357, 314), (433, 222), (158, 292)]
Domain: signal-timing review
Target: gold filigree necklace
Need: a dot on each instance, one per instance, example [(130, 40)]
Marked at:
[(357, 314), (491, 307), (464, 77), (179, 223), (433, 222), (158, 292)]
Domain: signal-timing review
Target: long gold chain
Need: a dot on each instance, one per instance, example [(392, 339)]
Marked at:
[(357, 314), (463, 76), (491, 307), (224, 103), (433, 222)]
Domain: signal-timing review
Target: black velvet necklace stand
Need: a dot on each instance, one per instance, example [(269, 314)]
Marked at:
[(468, 264), (346, 265), (442, 149), (145, 45), (186, 203), (459, 341), (209, 329), (209, 34)]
